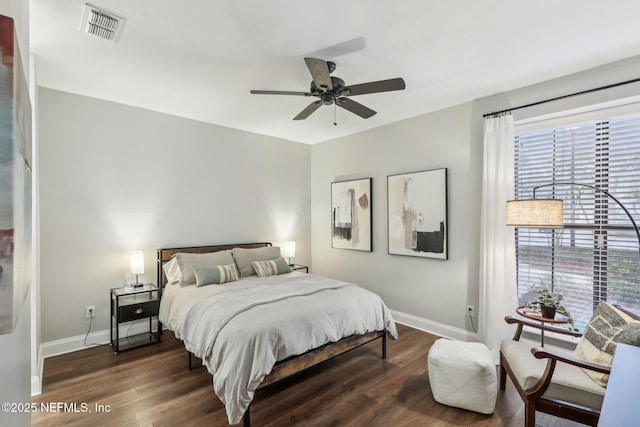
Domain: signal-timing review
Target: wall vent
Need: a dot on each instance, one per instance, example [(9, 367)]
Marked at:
[(100, 23)]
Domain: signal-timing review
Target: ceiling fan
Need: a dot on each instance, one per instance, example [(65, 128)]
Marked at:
[(332, 90)]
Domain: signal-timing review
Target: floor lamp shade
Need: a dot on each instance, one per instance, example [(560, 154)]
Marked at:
[(541, 213), (548, 213)]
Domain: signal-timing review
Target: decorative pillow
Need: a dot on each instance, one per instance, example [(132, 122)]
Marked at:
[(215, 274), (608, 327), (244, 258), (271, 267), (186, 261)]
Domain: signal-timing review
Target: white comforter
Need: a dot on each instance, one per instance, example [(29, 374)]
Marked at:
[(241, 329)]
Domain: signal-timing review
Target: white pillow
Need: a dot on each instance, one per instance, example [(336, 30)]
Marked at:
[(186, 261), (244, 258), (172, 271)]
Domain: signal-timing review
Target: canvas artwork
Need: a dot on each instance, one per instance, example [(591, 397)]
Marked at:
[(351, 214), (417, 214), (15, 181)]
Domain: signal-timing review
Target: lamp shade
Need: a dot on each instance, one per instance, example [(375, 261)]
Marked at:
[(137, 262), (540, 213), (289, 249)]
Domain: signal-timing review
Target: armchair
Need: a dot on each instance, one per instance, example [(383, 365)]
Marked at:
[(550, 381), (560, 383)]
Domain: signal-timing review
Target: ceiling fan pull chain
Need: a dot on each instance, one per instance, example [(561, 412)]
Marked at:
[(335, 121)]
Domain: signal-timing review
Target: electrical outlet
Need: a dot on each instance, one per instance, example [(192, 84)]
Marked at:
[(470, 310), (90, 311)]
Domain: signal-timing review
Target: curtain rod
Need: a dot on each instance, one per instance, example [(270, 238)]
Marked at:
[(508, 110)]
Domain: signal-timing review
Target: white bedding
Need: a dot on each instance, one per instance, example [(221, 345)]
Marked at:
[(258, 332)]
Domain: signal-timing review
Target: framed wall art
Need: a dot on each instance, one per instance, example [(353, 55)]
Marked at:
[(351, 214), (417, 214), (16, 180)]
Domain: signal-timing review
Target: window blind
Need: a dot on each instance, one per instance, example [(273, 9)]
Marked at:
[(595, 256)]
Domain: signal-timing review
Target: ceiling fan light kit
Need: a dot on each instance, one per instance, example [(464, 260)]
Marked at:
[(333, 90)]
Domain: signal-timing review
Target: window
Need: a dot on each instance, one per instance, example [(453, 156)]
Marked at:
[(595, 256)]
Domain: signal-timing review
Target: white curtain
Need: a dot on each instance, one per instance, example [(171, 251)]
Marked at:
[(498, 294)]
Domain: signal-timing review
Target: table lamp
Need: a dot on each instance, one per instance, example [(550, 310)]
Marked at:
[(137, 265), (289, 250)]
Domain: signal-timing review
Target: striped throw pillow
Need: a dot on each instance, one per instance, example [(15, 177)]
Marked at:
[(215, 274), (271, 267)]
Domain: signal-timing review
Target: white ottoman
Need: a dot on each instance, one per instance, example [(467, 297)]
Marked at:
[(462, 374)]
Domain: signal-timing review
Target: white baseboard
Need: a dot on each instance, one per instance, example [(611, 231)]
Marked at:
[(435, 328), (36, 380), (68, 345), (36, 385)]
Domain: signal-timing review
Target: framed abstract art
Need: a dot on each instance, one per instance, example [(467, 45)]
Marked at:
[(417, 214), (351, 214), (16, 180)]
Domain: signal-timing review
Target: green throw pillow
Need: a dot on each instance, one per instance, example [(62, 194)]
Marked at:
[(215, 274), (271, 267)]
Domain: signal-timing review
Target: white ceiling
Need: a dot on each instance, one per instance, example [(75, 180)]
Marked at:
[(199, 58)]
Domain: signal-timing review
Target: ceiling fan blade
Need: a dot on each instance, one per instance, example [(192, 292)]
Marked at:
[(320, 72), (307, 111), (374, 87), (280, 92), (344, 48), (355, 107)]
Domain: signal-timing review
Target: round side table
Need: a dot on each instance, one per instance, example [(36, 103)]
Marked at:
[(532, 314)]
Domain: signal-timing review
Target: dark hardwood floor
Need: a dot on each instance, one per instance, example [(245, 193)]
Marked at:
[(151, 386)]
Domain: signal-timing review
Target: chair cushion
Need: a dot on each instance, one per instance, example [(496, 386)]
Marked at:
[(569, 383), (608, 327)]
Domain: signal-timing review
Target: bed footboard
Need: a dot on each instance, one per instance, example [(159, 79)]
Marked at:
[(297, 364)]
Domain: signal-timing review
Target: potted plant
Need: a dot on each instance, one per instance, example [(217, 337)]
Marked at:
[(549, 303)]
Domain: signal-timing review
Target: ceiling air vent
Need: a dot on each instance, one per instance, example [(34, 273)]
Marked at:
[(100, 23)]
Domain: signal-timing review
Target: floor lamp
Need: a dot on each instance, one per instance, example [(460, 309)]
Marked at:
[(548, 213)]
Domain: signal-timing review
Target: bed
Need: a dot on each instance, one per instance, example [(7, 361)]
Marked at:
[(255, 331)]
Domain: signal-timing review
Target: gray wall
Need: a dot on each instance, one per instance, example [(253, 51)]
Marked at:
[(430, 289), (115, 178)]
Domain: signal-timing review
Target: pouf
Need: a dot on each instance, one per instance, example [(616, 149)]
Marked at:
[(462, 374)]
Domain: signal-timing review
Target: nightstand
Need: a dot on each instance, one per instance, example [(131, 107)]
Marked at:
[(296, 267), (129, 305)]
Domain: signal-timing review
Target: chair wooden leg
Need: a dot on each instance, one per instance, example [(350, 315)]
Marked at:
[(529, 413), (503, 376)]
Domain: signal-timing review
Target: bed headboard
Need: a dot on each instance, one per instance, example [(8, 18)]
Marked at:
[(165, 255)]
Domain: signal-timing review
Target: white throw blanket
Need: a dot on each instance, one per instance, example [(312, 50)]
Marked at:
[(241, 332)]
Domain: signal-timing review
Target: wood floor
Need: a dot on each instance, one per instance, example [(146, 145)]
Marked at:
[(152, 386)]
